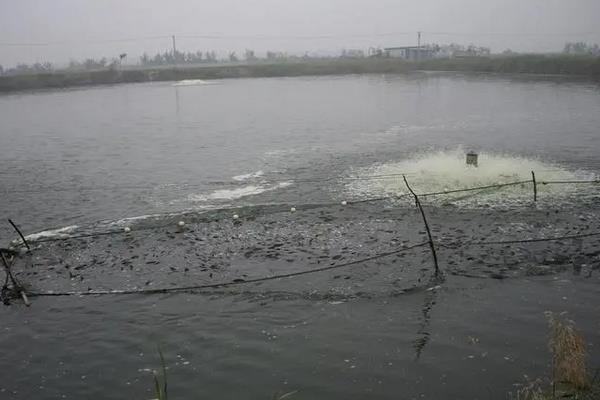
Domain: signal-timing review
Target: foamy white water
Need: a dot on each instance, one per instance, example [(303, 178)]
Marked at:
[(50, 233), (193, 82), (237, 193), (251, 175), (447, 170)]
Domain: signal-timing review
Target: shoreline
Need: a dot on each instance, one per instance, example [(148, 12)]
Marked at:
[(534, 65)]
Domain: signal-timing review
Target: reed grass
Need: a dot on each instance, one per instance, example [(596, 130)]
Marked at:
[(570, 377), (568, 353), (160, 380)]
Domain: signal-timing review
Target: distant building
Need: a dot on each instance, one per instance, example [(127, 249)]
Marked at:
[(353, 53), (409, 52), (471, 51)]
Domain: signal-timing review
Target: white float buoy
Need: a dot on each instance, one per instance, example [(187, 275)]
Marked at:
[(344, 202), (127, 229), (181, 223), (235, 216), (293, 209)]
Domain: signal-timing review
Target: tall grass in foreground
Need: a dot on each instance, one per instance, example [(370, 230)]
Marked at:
[(569, 375), (570, 378), (568, 354), (160, 382)]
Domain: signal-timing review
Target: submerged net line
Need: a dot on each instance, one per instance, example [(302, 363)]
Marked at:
[(166, 225), (235, 282), (239, 282), (333, 204), (517, 241), (209, 183), (437, 277), (184, 185)]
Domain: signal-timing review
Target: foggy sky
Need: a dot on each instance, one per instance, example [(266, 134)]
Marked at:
[(76, 29)]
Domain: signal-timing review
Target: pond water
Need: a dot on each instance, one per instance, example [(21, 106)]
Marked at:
[(145, 156)]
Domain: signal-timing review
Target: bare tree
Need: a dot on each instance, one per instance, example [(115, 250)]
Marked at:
[(250, 56)]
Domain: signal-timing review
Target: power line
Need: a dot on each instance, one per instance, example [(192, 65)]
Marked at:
[(512, 34), (294, 37), (203, 36), (71, 42)]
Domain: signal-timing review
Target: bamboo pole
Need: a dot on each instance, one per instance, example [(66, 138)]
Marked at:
[(431, 244), (534, 186), (20, 234), (16, 285)]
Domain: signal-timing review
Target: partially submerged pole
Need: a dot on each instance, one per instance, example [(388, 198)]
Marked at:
[(534, 186), (25, 299), (431, 244), (20, 234), (17, 287)]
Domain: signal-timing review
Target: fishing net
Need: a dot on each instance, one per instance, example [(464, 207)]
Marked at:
[(319, 251)]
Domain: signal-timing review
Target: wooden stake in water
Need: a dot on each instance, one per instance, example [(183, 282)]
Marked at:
[(16, 285), (534, 186), (20, 234), (431, 244)]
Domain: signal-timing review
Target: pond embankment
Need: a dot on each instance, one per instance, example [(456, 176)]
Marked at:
[(581, 66)]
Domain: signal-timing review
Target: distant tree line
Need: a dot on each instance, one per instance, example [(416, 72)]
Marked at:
[(178, 57), (581, 48), (90, 64), (434, 49), (24, 69), (206, 57), (457, 50)]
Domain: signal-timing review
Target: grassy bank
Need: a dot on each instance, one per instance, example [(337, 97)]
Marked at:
[(532, 64)]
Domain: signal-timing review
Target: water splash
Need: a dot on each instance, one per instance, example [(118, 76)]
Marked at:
[(193, 82), (50, 233), (447, 170), (236, 193), (251, 175)]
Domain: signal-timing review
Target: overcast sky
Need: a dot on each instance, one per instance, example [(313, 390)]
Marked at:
[(60, 30)]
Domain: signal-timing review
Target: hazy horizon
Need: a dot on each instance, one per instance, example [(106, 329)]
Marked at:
[(36, 31)]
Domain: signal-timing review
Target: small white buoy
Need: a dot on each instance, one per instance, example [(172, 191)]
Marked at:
[(293, 209), (127, 229), (344, 202), (235, 216)]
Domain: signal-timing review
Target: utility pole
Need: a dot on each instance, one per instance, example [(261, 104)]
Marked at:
[(174, 52), (418, 45)]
